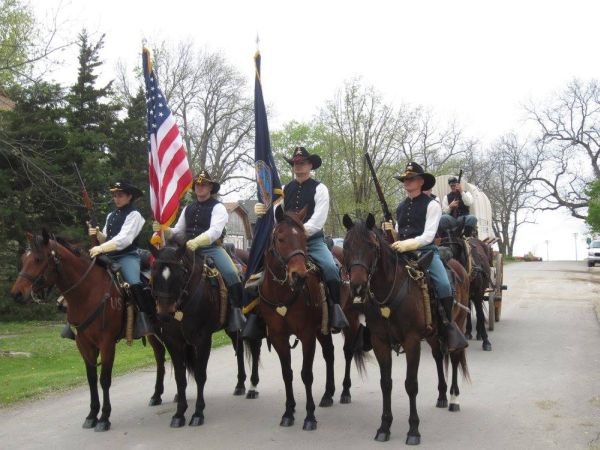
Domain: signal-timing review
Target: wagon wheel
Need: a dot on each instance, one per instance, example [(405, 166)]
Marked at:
[(499, 264), (491, 310)]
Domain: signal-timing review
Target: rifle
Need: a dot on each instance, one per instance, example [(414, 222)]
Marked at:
[(387, 215), (88, 205), (455, 210)]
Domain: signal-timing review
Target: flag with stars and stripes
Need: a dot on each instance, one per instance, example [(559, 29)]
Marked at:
[(168, 167)]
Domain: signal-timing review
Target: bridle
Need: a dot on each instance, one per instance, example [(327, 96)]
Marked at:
[(282, 260), (184, 291)]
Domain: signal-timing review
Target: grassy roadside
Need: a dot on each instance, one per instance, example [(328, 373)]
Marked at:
[(51, 364)]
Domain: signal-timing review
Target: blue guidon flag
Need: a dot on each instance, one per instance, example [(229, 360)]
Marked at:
[(267, 178)]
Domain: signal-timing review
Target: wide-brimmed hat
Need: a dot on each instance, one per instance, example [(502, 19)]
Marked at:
[(413, 170), (301, 154), (205, 178), (127, 187), (452, 180)]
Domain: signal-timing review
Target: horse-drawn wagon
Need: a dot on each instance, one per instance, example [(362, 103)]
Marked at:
[(482, 210)]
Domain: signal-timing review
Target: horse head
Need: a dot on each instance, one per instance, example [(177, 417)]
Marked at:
[(362, 251), (288, 245), (171, 273), (37, 260)]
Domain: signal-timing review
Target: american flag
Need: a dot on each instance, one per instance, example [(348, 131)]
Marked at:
[(168, 167)]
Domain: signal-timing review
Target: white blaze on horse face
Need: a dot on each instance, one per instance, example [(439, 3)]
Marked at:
[(295, 231), (166, 273)]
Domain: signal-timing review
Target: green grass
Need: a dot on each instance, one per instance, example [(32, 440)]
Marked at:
[(55, 363)]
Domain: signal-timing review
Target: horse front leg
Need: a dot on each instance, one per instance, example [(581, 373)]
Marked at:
[(469, 326), (90, 354), (282, 347), (383, 353), (481, 331), (442, 401), (255, 345), (309, 345), (159, 357), (346, 397), (108, 357), (326, 342), (200, 364), (238, 346), (412, 346), (177, 353)]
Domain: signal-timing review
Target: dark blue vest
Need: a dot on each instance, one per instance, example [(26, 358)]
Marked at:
[(197, 217), (463, 209), (114, 224), (411, 216), (296, 196)]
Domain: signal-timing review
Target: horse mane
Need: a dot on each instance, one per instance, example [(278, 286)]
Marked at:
[(76, 250), (387, 254)]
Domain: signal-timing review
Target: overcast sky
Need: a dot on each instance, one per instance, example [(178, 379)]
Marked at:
[(477, 62)]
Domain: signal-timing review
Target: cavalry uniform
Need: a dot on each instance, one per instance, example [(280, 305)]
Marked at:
[(119, 241), (201, 224), (417, 220), (465, 200)]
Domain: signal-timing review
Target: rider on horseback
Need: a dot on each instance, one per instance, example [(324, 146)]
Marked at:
[(417, 219), (202, 223), (456, 204), (119, 240), (302, 192)]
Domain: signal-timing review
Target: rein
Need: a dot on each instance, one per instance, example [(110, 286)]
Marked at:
[(184, 290)]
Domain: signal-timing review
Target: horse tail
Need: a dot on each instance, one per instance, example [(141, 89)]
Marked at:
[(462, 365), (360, 357), (189, 358), (248, 349)]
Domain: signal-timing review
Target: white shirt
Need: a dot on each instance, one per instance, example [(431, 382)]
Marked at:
[(467, 199), (129, 231), (218, 220), (319, 216), (432, 220)]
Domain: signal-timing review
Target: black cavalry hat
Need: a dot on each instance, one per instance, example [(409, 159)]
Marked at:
[(452, 180), (413, 170), (127, 187), (205, 178), (301, 154)]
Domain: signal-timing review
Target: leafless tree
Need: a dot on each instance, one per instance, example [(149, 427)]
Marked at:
[(569, 131)]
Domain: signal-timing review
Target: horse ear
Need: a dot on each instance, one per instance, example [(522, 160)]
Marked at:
[(370, 221), (45, 236), (29, 237), (347, 221), (279, 213)]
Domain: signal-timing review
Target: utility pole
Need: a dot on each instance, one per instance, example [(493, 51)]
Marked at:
[(575, 237), (547, 253)]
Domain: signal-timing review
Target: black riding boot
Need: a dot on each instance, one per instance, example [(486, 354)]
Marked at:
[(143, 326), (337, 318), (454, 337), (236, 320)]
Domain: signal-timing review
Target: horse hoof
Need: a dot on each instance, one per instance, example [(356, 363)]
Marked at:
[(286, 421), (252, 394), (90, 423), (345, 399), (487, 346), (196, 421), (239, 390), (382, 436), (454, 407), (442, 403), (103, 425), (177, 422), (469, 336), (326, 402), (309, 425), (413, 440), (155, 401)]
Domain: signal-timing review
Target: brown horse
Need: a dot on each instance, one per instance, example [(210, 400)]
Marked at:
[(395, 313), (292, 302), (191, 307), (96, 309), (479, 264)]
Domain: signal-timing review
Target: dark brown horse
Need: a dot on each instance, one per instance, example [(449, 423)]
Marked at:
[(395, 314), (292, 302), (96, 309), (191, 306), (475, 257)]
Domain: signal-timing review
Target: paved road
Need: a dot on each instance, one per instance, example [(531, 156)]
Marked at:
[(539, 388)]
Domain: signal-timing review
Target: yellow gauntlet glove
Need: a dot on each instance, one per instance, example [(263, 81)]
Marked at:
[(199, 241), (407, 245), (107, 247)]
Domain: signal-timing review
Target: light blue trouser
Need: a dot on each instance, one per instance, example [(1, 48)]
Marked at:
[(223, 262), (130, 266), (447, 221), (318, 250), (438, 273)]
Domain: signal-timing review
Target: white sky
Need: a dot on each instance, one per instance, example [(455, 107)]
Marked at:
[(474, 61)]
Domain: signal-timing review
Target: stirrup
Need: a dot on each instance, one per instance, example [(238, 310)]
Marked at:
[(456, 340), (338, 318), (237, 320), (252, 329), (67, 332), (142, 326)]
